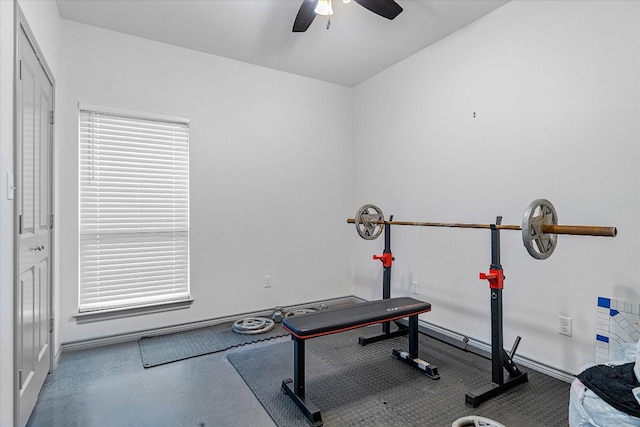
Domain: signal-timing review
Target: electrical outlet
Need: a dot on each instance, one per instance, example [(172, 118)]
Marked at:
[(414, 287), (267, 281), (564, 326)]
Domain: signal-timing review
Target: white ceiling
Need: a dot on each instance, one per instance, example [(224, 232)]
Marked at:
[(358, 45)]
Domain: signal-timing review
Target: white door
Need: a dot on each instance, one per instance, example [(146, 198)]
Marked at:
[(34, 207)]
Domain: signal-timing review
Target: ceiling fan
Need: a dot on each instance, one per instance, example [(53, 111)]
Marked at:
[(310, 8)]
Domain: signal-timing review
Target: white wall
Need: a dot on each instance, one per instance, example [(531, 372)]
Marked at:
[(270, 185), (554, 86)]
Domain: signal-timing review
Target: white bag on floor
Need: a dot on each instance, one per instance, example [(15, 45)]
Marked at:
[(586, 409)]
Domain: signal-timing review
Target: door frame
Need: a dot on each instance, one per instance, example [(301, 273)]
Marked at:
[(21, 24)]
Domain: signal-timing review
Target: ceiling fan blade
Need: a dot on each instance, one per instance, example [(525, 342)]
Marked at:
[(305, 16), (385, 8)]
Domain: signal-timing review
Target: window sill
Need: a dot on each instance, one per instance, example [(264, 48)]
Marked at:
[(116, 313)]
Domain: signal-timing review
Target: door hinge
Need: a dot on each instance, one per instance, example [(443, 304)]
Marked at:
[(51, 221), (52, 121), (20, 70), (20, 224), (20, 379), (50, 324)]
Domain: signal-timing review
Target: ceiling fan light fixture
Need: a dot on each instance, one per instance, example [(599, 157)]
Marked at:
[(324, 8)]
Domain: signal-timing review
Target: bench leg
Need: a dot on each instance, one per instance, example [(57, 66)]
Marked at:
[(411, 357), (294, 388), (387, 333), (298, 367), (413, 336)]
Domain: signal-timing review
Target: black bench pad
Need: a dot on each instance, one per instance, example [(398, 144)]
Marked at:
[(341, 319)]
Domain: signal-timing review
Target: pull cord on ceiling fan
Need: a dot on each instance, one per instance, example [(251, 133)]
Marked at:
[(310, 8)]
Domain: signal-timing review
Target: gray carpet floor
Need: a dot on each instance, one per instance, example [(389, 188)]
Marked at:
[(365, 386), (108, 387)]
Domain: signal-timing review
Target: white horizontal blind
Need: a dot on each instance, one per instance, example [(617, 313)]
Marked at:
[(134, 210)]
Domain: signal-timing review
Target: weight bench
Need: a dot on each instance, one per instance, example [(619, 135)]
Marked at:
[(342, 319)]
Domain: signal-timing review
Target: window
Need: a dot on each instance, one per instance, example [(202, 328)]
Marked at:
[(134, 209)]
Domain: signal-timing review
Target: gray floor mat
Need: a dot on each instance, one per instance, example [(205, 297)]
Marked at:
[(162, 349), (365, 386)]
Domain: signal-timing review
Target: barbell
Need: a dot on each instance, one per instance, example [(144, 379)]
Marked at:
[(539, 228)]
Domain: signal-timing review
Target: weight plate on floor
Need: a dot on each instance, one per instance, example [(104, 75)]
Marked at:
[(474, 421), (253, 325), (538, 244), (299, 311), (366, 222)]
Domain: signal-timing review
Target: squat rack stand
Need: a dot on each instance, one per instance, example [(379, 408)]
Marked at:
[(500, 360), (387, 260)]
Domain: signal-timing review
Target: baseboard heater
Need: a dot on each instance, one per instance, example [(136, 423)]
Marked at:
[(482, 349)]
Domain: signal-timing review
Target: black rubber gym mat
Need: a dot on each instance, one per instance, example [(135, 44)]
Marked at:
[(163, 349), (365, 386)]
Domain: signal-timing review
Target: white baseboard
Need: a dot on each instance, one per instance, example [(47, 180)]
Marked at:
[(486, 348)]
